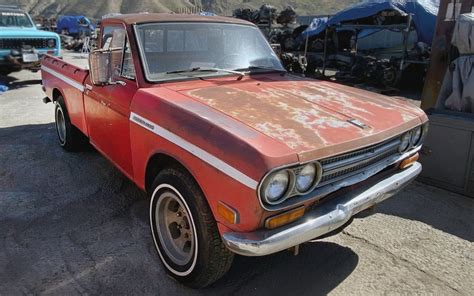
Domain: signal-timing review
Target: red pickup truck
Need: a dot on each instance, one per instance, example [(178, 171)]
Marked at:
[(237, 156)]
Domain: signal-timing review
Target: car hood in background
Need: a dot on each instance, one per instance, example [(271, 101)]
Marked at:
[(19, 32)]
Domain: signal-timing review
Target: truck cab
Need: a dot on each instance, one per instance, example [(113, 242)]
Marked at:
[(21, 43), (236, 155)]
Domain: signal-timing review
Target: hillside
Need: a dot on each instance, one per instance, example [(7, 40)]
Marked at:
[(97, 8)]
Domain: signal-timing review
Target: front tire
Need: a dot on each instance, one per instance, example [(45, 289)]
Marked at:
[(185, 232)]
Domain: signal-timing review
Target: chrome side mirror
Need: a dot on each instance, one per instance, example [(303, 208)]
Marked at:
[(100, 67)]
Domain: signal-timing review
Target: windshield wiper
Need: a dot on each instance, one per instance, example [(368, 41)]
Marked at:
[(184, 71), (250, 68), (201, 69)]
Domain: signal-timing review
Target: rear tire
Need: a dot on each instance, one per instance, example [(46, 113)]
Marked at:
[(185, 232), (70, 138)]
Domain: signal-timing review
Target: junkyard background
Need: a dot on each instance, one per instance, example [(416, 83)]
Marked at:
[(73, 224)]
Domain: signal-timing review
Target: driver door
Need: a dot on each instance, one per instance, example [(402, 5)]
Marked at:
[(108, 107)]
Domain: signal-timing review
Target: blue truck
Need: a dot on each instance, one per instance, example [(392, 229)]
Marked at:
[(21, 43), (75, 26)]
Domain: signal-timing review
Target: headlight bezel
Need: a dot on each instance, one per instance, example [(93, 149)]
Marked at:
[(424, 131), (415, 141), (266, 183), (291, 190), (315, 181), (411, 141), (53, 43), (299, 175), (405, 138)]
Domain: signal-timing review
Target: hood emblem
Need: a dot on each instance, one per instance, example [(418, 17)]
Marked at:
[(358, 123)]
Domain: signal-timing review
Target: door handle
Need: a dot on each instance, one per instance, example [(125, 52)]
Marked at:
[(104, 103)]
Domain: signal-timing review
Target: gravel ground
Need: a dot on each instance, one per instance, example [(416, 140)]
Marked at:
[(70, 223)]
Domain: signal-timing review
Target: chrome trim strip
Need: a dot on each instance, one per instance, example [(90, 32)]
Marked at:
[(60, 76), (360, 175), (194, 150), (355, 160), (351, 166), (321, 220)]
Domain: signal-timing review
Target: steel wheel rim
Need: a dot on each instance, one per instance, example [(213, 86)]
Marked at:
[(174, 228), (60, 124)]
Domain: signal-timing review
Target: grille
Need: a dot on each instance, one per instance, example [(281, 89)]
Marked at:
[(343, 166), (19, 43)]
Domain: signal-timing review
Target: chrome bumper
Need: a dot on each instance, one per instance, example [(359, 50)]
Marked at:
[(322, 220)]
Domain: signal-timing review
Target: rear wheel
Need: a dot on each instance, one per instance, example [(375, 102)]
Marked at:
[(185, 232), (70, 138)]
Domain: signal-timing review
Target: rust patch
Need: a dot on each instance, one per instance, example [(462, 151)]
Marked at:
[(309, 116), (297, 123)]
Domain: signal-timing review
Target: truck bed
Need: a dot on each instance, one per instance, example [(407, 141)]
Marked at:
[(77, 59), (66, 78)]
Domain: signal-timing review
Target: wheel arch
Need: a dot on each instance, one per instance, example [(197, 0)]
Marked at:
[(56, 93), (160, 161)]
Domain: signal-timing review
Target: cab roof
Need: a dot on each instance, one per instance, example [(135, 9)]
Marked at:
[(10, 8), (140, 18)]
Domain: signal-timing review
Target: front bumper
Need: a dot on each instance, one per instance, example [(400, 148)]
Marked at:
[(16, 59), (325, 218)]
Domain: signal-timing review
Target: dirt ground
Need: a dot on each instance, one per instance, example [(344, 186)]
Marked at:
[(70, 223)]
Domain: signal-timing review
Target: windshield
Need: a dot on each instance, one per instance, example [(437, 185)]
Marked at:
[(14, 19), (169, 49)]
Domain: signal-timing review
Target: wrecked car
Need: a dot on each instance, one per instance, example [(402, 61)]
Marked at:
[(21, 43), (375, 42), (236, 155)]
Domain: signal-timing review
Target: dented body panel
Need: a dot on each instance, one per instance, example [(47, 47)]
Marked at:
[(228, 133)]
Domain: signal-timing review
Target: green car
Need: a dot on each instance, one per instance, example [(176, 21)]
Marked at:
[(21, 43)]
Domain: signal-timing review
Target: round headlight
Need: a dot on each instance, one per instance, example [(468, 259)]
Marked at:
[(51, 43), (416, 136), (405, 144), (276, 186), (305, 178)]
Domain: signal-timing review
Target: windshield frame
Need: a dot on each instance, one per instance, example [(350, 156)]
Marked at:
[(194, 76), (32, 24)]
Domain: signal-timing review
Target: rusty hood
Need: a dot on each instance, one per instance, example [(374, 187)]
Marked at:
[(315, 119)]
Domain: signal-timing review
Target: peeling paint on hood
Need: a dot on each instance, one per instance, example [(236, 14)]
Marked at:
[(313, 118)]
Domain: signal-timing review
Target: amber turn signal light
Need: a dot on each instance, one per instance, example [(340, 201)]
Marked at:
[(284, 218), (228, 213), (409, 161)]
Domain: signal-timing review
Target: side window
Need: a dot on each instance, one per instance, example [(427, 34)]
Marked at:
[(107, 35), (115, 39), (128, 69), (117, 47)]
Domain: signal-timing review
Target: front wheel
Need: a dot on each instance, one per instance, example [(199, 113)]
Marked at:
[(185, 232)]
